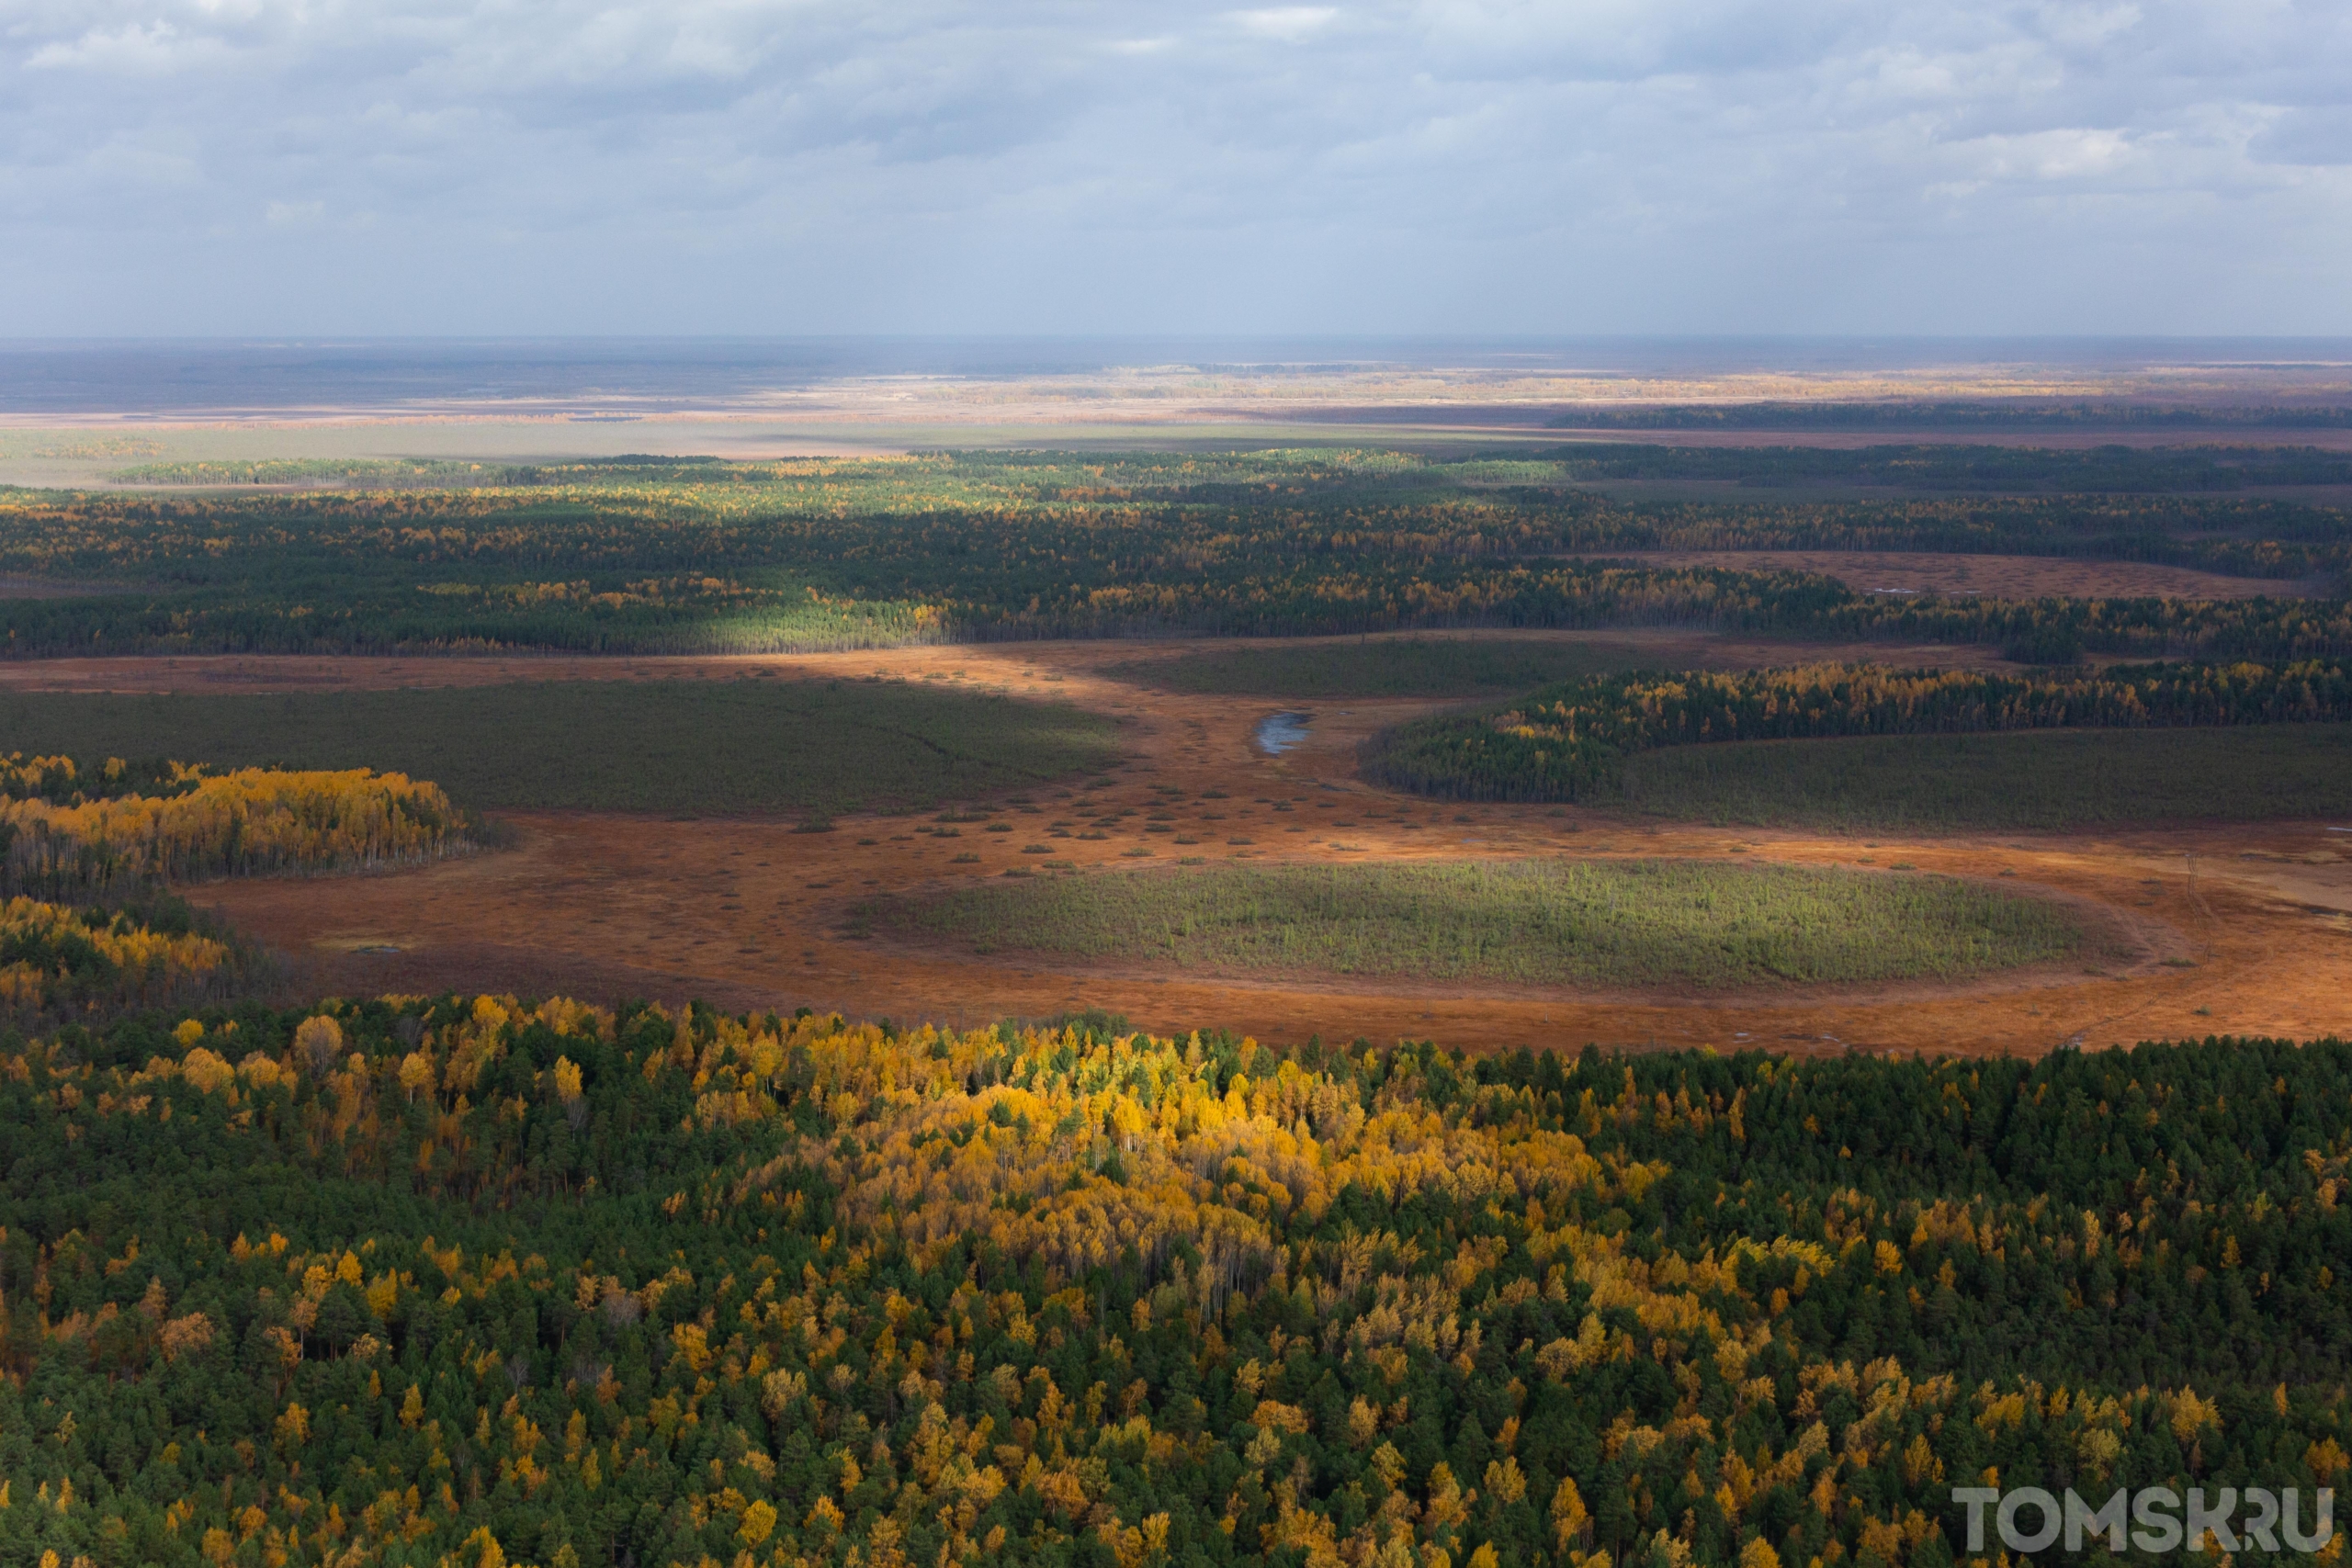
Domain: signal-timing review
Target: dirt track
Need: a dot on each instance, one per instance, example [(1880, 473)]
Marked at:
[(2251, 925)]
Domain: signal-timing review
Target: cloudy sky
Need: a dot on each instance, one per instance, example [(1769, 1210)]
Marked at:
[(1951, 167)]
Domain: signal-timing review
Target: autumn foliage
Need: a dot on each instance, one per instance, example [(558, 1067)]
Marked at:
[(496, 1282), (62, 782), (251, 821), (56, 960)]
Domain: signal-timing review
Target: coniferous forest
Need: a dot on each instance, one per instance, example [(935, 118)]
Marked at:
[(467, 1280), (687, 556)]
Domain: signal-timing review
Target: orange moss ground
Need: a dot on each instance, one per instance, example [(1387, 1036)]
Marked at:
[(2239, 929)]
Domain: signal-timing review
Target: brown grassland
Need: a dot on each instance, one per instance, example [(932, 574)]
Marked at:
[(2238, 929)]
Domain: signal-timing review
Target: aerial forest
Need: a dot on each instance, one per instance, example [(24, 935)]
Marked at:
[(467, 1280)]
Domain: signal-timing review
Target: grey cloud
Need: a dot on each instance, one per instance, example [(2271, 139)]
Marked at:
[(2312, 137), (1034, 164)]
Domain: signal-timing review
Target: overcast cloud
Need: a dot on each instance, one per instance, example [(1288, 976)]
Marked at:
[(1036, 165)]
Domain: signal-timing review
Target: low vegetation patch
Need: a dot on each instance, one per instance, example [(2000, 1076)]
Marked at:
[(822, 747), (2046, 781), (1681, 923)]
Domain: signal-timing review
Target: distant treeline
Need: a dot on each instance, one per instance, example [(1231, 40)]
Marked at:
[(1989, 415), (361, 472), (387, 471), (374, 473), (2236, 539), (1567, 741), (2098, 469), (1299, 602), (692, 555)]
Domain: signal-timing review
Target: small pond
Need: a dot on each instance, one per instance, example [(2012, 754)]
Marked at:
[(1278, 732)]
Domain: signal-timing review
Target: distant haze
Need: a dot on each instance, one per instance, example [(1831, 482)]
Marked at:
[(1448, 168), (1045, 381)]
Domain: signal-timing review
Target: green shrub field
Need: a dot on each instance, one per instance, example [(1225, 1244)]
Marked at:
[(2046, 781), (1684, 924)]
